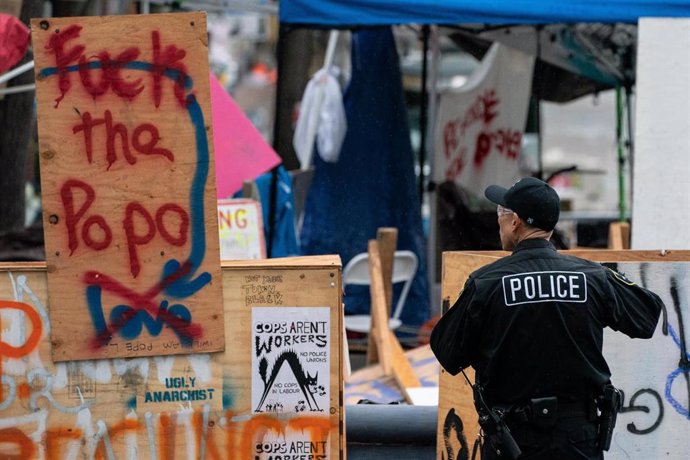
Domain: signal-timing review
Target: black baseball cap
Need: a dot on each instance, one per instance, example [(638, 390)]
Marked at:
[(532, 199)]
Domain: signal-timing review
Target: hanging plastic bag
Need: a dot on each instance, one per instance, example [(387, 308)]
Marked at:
[(322, 116)]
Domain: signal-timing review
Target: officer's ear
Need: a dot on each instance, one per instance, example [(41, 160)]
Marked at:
[(516, 223)]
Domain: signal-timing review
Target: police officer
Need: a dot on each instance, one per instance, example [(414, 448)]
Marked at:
[(531, 325)]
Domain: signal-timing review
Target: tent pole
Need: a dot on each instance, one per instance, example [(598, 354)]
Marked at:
[(540, 138), (423, 111), (630, 144), (621, 154)]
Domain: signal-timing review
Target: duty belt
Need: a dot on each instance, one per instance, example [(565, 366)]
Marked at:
[(545, 411)]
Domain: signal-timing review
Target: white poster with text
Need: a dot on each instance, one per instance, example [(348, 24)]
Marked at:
[(290, 359), (241, 230)]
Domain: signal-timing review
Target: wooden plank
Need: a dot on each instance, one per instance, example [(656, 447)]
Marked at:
[(604, 255), (403, 373), (379, 321), (322, 261), (387, 239), (371, 383), (391, 355), (107, 408), (127, 175), (619, 235)]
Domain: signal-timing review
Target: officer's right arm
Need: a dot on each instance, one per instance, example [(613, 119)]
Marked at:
[(634, 310), (456, 335)]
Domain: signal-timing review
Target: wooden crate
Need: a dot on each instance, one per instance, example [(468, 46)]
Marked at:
[(184, 406)]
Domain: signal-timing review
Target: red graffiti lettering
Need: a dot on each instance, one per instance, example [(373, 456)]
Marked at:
[(110, 74), (489, 101), (450, 138), (167, 62), (456, 165), (94, 90), (135, 239), (63, 58), (508, 142), (114, 131), (483, 110), (167, 58), (482, 149), (136, 218), (149, 147), (182, 229), (72, 217), (141, 301)]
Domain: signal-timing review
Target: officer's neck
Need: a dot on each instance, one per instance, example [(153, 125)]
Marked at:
[(532, 233)]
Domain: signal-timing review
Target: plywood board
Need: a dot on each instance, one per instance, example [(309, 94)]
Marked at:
[(173, 407), (457, 418), (653, 421), (127, 175)]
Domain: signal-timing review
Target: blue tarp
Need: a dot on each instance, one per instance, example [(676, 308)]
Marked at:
[(284, 235), (373, 184), (343, 13)]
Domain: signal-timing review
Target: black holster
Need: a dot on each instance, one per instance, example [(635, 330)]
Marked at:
[(609, 403)]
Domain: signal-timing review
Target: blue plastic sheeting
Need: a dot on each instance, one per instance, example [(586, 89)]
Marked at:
[(284, 236), (373, 184), (343, 13)]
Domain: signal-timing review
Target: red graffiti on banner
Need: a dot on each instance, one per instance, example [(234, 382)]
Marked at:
[(457, 140)]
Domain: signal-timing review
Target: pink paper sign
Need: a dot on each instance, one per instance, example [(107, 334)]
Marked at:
[(240, 151)]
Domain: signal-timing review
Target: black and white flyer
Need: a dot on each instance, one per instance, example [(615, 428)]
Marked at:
[(290, 359)]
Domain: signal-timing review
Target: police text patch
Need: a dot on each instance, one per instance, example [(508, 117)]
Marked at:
[(545, 287)]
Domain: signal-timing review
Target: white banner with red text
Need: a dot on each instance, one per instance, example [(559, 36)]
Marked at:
[(480, 125)]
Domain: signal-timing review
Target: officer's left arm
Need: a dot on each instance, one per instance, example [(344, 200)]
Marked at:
[(456, 335), (634, 310)]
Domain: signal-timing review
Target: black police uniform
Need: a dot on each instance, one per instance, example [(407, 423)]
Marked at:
[(531, 325)]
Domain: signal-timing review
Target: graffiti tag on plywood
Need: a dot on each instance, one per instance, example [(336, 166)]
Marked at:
[(127, 177)]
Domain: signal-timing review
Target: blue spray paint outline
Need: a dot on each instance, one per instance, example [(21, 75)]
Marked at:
[(183, 286), (677, 406)]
